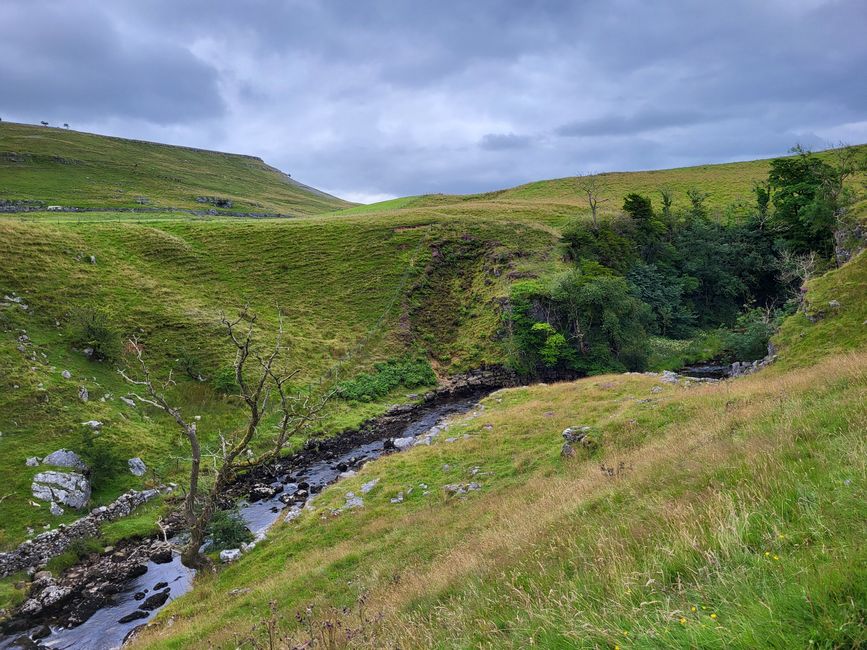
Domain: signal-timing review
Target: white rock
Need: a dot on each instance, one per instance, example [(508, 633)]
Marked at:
[(64, 458), (353, 501), (66, 374), (403, 443), (367, 487), (83, 395), (96, 425), (33, 461), (55, 509), (68, 488), (129, 402), (230, 555), (137, 466)]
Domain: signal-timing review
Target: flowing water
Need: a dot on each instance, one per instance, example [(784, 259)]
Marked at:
[(103, 631)]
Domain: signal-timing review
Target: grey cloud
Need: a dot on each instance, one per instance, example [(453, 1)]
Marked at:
[(638, 123), (71, 64), (497, 141)]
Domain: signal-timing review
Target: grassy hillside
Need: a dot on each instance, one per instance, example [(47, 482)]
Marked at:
[(429, 277), (714, 516), (729, 189), (351, 292), (74, 169)]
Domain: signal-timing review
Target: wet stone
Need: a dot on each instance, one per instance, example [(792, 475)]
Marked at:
[(135, 616), (156, 601)]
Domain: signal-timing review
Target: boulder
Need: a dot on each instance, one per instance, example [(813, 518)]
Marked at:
[(83, 395), (137, 466), (568, 451), (33, 461), (134, 616), (65, 458), (95, 425), (575, 434), (367, 487), (66, 374), (55, 509), (403, 443), (129, 402), (67, 488), (230, 555)]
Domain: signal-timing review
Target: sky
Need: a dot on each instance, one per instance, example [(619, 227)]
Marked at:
[(372, 99)]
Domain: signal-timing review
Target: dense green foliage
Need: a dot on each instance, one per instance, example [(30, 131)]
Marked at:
[(679, 272), (91, 327), (228, 530), (385, 377)]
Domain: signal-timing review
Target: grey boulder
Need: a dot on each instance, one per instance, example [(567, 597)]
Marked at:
[(137, 466), (64, 458), (230, 555), (68, 488)]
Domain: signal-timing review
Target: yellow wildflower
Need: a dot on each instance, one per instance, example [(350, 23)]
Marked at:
[(776, 557), (713, 616), (682, 620), (767, 554), (692, 609)]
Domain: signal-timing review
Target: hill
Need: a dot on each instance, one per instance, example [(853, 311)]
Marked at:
[(53, 166), (728, 515), (432, 280)]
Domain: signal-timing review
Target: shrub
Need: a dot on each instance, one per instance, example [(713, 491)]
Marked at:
[(224, 381), (228, 530), (387, 376), (101, 457), (91, 327)]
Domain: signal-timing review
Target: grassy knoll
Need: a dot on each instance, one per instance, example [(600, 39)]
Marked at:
[(717, 516), (71, 168)]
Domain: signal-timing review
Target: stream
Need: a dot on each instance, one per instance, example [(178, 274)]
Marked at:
[(104, 631)]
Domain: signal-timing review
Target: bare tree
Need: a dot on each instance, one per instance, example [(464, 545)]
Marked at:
[(257, 385), (593, 187)]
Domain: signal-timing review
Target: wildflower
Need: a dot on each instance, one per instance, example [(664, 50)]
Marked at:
[(703, 607), (682, 620), (692, 609), (713, 616), (616, 647), (767, 554), (776, 557)]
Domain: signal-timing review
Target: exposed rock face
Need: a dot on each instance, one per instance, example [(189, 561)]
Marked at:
[(65, 458), (137, 466), (43, 547), (68, 488), (230, 555)]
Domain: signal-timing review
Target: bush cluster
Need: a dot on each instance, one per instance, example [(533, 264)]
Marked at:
[(368, 386)]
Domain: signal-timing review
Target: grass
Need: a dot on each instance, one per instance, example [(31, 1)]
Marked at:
[(548, 552), (74, 169), (728, 515)]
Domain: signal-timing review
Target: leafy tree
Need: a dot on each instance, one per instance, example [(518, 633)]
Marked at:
[(804, 202)]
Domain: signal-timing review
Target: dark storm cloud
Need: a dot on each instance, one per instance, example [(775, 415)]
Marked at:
[(69, 62), (388, 97)]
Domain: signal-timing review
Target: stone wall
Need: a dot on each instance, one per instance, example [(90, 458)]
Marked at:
[(37, 551)]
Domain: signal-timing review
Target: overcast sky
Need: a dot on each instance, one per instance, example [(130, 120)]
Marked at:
[(370, 99)]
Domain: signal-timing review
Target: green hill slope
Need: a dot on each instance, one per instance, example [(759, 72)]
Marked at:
[(729, 515), (430, 278), (73, 169)]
